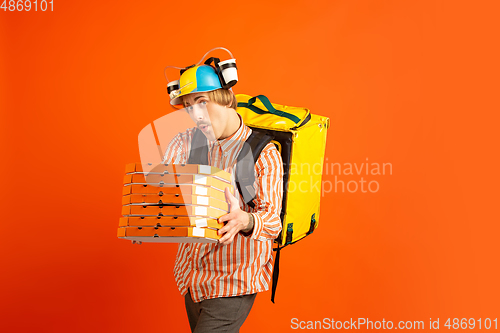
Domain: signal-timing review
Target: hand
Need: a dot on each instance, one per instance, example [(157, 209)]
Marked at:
[(236, 219)]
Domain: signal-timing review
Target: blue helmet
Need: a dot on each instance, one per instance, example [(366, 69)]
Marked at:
[(195, 79)]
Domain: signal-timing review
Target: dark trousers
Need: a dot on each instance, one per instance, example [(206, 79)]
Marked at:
[(223, 314)]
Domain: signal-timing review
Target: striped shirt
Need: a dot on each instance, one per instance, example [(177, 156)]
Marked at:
[(244, 266)]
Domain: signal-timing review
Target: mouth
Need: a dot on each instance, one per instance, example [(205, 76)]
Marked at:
[(203, 127)]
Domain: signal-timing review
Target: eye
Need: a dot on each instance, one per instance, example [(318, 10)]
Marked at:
[(189, 108), (203, 102)]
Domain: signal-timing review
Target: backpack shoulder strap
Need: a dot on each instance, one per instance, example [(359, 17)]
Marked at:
[(247, 158)]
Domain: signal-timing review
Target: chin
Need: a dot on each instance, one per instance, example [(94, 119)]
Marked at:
[(210, 136)]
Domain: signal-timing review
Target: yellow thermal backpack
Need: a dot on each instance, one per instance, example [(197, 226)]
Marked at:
[(300, 137)]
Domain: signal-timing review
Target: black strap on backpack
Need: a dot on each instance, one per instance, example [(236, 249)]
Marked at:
[(199, 149), (276, 272), (245, 164)]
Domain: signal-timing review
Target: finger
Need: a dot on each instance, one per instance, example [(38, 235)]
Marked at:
[(222, 231), (231, 200), (226, 243), (229, 226), (226, 217), (227, 238)]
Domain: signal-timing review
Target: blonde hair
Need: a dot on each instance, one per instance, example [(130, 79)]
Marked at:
[(223, 97)]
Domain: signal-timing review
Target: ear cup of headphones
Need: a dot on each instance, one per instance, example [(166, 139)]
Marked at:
[(228, 73)]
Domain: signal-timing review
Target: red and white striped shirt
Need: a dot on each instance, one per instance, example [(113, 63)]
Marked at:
[(244, 266)]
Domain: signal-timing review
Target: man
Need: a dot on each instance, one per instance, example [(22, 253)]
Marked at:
[(220, 281)]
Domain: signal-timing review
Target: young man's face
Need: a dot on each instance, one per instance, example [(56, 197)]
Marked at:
[(210, 117)]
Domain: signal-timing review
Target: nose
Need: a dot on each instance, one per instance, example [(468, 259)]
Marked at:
[(199, 113)]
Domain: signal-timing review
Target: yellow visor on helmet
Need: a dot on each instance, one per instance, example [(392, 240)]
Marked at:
[(195, 79)]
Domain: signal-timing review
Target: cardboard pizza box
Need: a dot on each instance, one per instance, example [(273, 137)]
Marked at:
[(151, 199), (168, 235), (187, 189), (178, 210), (170, 221), (175, 179), (181, 169)]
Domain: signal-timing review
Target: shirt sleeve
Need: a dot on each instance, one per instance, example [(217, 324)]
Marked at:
[(175, 152), (269, 193)]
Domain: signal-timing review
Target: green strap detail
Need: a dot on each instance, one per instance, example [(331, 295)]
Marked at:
[(269, 107)]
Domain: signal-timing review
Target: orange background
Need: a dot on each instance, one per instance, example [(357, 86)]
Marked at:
[(411, 83)]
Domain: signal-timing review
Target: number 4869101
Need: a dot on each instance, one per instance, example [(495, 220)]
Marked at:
[(27, 5), (471, 323)]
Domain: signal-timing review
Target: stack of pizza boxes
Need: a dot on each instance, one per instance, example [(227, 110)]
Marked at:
[(173, 203)]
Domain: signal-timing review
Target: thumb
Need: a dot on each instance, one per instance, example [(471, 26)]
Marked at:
[(231, 200)]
